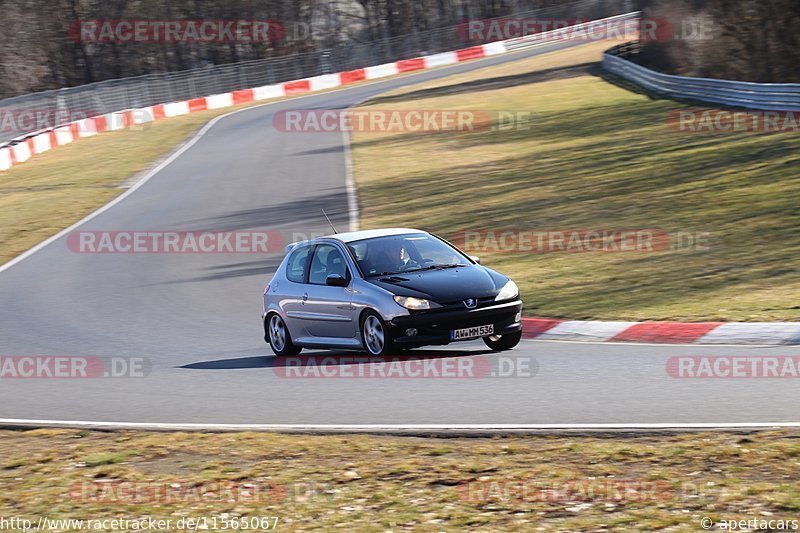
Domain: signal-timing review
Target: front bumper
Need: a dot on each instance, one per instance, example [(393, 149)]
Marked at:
[(434, 327)]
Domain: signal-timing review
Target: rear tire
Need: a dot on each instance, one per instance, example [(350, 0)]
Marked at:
[(375, 336), (278, 336), (499, 343)]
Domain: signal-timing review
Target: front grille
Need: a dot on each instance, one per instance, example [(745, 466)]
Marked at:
[(459, 304), (458, 316)]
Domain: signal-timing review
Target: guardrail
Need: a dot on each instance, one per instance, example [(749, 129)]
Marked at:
[(766, 96)]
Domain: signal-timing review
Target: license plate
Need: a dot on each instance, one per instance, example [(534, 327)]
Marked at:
[(471, 333)]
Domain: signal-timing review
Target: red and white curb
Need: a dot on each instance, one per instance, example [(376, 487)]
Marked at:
[(40, 142), (745, 333)]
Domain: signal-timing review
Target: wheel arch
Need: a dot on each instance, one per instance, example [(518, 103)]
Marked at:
[(270, 313)]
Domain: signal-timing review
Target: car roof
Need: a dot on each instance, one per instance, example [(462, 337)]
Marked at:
[(353, 236), (371, 234)]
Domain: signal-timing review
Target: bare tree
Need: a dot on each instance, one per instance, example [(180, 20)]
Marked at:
[(43, 48), (750, 40)]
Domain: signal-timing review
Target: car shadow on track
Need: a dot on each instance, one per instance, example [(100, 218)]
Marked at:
[(325, 359)]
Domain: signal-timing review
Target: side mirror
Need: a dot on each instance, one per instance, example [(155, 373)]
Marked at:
[(335, 280), (475, 258)]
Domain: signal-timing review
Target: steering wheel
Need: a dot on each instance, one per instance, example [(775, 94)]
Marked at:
[(410, 265)]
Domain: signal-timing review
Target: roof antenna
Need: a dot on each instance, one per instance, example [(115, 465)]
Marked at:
[(329, 221)]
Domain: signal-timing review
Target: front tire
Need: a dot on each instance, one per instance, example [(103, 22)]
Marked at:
[(499, 343), (375, 336), (278, 337)]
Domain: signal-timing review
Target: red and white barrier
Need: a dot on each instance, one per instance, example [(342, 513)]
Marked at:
[(353, 76), (268, 92), (381, 71), (87, 128), (328, 81), (41, 143), (492, 49), (143, 116), (5, 159), (63, 135), (439, 60), (24, 150), (218, 101), (176, 109), (20, 153), (119, 120)]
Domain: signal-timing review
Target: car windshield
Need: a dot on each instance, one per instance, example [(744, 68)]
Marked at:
[(399, 254)]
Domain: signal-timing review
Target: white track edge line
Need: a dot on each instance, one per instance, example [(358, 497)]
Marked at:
[(350, 182), (394, 427)]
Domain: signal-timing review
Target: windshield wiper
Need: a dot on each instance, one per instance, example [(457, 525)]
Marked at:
[(383, 274), (436, 267)]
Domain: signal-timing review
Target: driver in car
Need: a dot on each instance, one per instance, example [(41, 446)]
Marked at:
[(390, 258)]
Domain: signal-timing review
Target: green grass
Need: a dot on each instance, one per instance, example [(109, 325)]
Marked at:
[(596, 156), (372, 483)]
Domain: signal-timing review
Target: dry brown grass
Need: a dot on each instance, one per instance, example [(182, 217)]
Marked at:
[(371, 483)]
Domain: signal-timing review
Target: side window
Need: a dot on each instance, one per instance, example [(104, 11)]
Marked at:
[(359, 250), (327, 260), (296, 268)]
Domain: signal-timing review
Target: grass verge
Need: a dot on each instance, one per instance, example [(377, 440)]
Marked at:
[(370, 483), (596, 156)]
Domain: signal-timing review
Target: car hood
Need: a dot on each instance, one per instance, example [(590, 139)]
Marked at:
[(445, 286)]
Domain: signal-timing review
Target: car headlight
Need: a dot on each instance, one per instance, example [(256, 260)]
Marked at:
[(508, 292), (415, 304)]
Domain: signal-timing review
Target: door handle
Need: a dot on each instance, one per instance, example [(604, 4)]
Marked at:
[(305, 297)]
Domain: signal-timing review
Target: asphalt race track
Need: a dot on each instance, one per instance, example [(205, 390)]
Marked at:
[(195, 318)]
